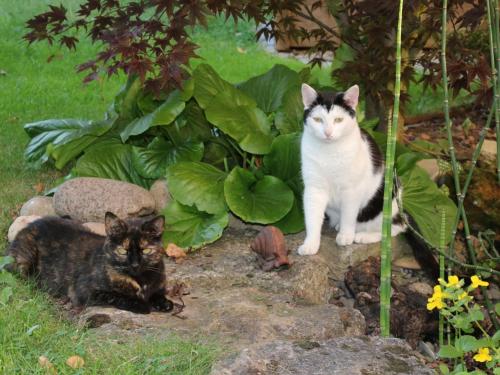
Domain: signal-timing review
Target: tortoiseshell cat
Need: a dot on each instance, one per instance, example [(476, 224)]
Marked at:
[(124, 269)]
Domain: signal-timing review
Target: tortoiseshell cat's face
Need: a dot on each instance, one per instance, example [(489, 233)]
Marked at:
[(134, 246)]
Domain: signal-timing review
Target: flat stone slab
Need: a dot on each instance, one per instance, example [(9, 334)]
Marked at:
[(230, 262), (240, 307), (237, 318), (340, 356)]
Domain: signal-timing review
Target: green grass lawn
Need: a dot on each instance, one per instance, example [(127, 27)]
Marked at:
[(32, 89)]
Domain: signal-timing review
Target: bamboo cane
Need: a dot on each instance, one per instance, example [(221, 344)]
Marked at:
[(442, 245), (386, 251)]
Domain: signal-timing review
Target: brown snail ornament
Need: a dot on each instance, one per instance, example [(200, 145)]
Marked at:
[(271, 249)]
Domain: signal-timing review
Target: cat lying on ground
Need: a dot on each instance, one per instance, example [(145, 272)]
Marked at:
[(124, 269)]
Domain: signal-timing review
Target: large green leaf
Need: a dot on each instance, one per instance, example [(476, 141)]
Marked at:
[(188, 227), (262, 201), (208, 85), (290, 115), (247, 125), (125, 103), (163, 115), (190, 126), (284, 162), (152, 161), (425, 202), (62, 139), (269, 88), (109, 159), (198, 184)]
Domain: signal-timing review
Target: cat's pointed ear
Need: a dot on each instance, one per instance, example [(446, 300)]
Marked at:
[(351, 96), (309, 95), (155, 226), (115, 227)]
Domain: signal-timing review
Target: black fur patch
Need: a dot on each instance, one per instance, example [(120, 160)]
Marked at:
[(376, 204), (375, 153), (328, 99)]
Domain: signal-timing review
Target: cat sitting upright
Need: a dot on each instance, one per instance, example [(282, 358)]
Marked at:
[(343, 172), (124, 269)]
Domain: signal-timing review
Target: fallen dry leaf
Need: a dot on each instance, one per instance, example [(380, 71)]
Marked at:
[(39, 187), (425, 136), (75, 361), (175, 252), (46, 364)]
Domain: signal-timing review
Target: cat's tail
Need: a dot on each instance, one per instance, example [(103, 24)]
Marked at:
[(421, 251)]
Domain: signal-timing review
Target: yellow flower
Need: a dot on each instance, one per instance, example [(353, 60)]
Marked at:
[(436, 301), (464, 295), (477, 282), (483, 355), (453, 280), (432, 304)]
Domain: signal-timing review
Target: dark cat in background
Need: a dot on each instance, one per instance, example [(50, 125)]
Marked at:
[(124, 269)]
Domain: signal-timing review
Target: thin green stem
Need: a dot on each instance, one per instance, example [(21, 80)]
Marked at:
[(493, 39), (386, 251), (460, 196), (442, 245)]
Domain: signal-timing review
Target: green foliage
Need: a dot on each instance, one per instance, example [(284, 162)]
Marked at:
[(198, 184), (425, 202), (7, 281), (456, 304), (257, 200), (188, 227), (222, 147)]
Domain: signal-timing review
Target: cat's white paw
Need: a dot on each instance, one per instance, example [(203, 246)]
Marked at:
[(367, 237), (308, 248), (345, 238)]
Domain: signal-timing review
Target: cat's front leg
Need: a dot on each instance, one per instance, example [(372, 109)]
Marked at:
[(160, 302), (315, 201), (349, 207)]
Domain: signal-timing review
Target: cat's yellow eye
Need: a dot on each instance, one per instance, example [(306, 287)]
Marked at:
[(338, 119), (318, 119), (147, 251), (121, 250)]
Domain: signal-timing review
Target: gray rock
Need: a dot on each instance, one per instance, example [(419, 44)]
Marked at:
[(421, 288), (40, 206), (159, 191), (20, 223), (236, 304), (408, 262), (97, 228), (340, 356), (238, 317), (236, 223), (88, 198)]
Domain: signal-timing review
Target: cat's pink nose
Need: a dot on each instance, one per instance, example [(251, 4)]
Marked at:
[(328, 133)]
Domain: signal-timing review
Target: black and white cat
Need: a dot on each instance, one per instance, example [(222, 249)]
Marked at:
[(343, 172)]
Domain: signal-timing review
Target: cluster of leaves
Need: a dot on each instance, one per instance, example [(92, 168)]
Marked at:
[(7, 281), (456, 304), (146, 38), (222, 147), (150, 39)]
